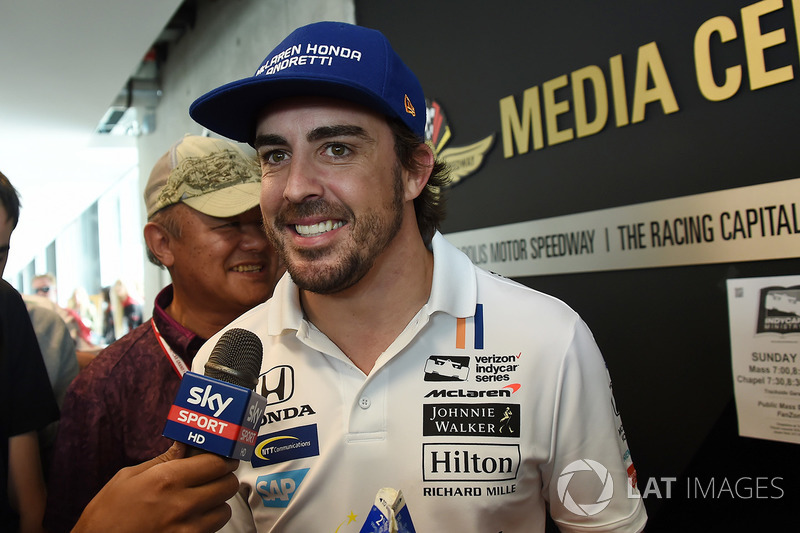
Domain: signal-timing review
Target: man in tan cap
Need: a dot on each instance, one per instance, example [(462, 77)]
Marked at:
[(204, 226)]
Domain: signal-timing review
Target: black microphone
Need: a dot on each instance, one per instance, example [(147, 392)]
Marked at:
[(219, 412), (236, 358)]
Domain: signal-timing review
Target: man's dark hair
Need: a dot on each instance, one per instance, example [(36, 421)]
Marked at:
[(430, 204), (10, 198)]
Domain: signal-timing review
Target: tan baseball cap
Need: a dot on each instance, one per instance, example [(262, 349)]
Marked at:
[(214, 176)]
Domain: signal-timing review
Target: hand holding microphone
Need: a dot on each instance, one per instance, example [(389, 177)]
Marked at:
[(219, 412), (165, 494)]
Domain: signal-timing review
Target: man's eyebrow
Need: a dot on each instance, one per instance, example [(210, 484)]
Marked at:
[(322, 132), (343, 130), (265, 139)]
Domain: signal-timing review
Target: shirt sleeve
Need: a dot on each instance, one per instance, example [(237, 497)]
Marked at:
[(589, 483), (84, 445), (57, 346), (242, 520), (27, 384)]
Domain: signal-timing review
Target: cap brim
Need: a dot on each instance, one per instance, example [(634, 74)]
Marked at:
[(227, 202), (232, 110)]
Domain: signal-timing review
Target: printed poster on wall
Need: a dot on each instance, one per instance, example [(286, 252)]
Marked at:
[(764, 316)]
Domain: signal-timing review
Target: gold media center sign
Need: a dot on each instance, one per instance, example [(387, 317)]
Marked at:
[(753, 223)]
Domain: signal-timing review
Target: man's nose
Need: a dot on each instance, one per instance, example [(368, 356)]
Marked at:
[(302, 182)]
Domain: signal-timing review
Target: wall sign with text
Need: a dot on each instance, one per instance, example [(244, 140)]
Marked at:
[(753, 223)]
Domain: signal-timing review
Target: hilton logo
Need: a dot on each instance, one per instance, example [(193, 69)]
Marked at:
[(470, 462)]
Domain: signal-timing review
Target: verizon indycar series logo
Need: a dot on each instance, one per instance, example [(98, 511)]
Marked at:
[(488, 368), (447, 368)]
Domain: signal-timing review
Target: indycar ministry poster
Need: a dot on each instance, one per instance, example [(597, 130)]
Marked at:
[(764, 316)]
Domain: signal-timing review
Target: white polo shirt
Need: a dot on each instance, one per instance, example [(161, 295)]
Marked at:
[(490, 409)]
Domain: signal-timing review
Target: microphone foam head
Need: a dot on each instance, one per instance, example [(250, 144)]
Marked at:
[(236, 358)]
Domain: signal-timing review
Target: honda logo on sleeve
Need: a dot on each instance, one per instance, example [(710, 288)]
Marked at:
[(277, 384)]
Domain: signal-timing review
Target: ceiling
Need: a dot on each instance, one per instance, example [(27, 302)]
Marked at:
[(62, 65)]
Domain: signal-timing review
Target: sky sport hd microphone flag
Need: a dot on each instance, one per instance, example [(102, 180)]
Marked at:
[(219, 412)]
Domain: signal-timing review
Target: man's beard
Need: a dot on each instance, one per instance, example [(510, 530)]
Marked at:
[(371, 234)]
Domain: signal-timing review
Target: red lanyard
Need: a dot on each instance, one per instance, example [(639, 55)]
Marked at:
[(177, 363)]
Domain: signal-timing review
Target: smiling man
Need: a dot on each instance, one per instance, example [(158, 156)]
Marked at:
[(204, 226), (350, 198)]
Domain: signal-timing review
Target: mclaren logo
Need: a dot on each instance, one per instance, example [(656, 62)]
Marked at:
[(505, 392), (462, 160)]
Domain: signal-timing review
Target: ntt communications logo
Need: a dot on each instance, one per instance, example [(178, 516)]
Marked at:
[(585, 465)]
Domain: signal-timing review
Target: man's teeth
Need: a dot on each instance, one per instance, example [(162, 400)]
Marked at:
[(318, 229), (247, 268)]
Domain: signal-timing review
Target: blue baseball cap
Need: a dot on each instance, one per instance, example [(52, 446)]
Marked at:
[(332, 59)]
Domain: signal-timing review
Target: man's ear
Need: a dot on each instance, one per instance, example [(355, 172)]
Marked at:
[(158, 241), (418, 179)]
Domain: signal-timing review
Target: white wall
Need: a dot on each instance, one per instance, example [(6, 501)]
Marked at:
[(122, 257), (228, 42)]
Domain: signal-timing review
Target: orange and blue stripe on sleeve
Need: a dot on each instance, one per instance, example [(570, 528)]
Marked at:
[(461, 329)]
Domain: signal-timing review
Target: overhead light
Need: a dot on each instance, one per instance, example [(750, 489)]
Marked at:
[(133, 111)]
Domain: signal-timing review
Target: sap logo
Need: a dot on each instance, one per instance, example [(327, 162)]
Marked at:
[(204, 398), (277, 490), (277, 384), (287, 414)]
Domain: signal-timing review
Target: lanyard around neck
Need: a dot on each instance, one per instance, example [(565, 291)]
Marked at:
[(177, 363)]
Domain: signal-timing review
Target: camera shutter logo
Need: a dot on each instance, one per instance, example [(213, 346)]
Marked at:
[(585, 509)]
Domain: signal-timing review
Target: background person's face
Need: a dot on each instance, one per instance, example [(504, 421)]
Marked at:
[(227, 263), (42, 287)]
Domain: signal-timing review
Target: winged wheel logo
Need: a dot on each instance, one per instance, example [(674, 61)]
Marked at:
[(462, 160)]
